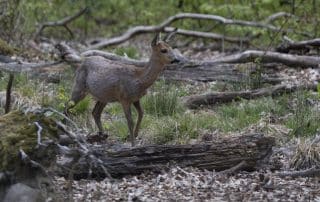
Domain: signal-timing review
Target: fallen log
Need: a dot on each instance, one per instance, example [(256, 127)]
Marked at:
[(197, 101), (220, 155)]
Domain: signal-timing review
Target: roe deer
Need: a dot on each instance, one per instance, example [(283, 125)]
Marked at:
[(111, 81)]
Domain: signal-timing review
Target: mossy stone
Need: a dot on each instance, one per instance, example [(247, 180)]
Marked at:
[(18, 131)]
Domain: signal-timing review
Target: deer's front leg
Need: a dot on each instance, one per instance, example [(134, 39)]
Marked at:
[(137, 105), (127, 112)]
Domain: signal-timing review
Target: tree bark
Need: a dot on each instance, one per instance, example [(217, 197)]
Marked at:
[(220, 155), (197, 101)]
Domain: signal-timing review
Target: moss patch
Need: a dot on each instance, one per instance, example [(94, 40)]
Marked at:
[(18, 130), (5, 48)]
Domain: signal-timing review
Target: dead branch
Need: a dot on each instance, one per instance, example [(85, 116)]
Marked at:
[(61, 23), (268, 57), (112, 56), (196, 101), (312, 172), (17, 67), (8, 94), (275, 16), (301, 45), (161, 27)]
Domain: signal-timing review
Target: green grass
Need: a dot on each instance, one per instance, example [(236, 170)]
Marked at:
[(166, 121), (304, 119), (163, 101)]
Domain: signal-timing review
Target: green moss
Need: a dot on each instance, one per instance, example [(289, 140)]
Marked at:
[(18, 131), (5, 48)]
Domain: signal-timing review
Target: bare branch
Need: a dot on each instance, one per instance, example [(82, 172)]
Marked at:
[(17, 67), (149, 29), (299, 45), (268, 56), (275, 16), (63, 22), (8, 93), (38, 133), (301, 173)]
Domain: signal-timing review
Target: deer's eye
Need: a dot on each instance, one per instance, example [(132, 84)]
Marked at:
[(164, 50)]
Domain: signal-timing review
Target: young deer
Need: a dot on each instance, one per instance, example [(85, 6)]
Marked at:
[(110, 81)]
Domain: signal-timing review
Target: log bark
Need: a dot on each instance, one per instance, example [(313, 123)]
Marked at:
[(197, 101), (220, 155)]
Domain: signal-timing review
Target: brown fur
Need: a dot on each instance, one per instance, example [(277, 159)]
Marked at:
[(112, 81)]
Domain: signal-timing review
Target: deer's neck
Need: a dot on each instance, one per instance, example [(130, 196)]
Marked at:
[(151, 72)]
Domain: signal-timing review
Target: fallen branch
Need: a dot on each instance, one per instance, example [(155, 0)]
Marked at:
[(268, 57), (312, 172), (196, 101), (275, 16), (18, 67), (301, 45), (162, 27), (61, 23), (8, 94)]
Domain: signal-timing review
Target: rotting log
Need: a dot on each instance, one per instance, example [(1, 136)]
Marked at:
[(196, 101), (219, 155)]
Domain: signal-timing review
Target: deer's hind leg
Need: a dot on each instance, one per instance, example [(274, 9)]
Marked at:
[(79, 91), (96, 113)]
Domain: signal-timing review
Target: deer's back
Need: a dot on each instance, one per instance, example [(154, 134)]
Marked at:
[(110, 81)]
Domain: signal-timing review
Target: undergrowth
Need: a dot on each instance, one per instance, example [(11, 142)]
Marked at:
[(166, 121)]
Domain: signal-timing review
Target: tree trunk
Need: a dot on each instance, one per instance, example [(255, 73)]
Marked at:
[(219, 155)]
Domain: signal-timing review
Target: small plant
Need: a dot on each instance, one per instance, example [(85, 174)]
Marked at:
[(304, 120), (307, 154), (164, 101)]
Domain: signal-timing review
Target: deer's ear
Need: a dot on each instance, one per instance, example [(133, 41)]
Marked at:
[(155, 39), (170, 34)]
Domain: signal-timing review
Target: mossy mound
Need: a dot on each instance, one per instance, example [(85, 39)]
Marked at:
[(5, 48), (19, 131)]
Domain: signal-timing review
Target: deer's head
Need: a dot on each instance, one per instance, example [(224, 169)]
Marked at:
[(163, 50)]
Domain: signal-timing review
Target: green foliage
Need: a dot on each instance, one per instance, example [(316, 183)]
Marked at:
[(163, 101), (109, 18), (236, 116), (304, 120), (5, 48)]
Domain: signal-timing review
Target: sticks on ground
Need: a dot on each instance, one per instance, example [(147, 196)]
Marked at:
[(196, 101), (312, 172)]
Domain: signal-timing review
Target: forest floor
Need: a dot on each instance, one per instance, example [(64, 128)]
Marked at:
[(192, 184)]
